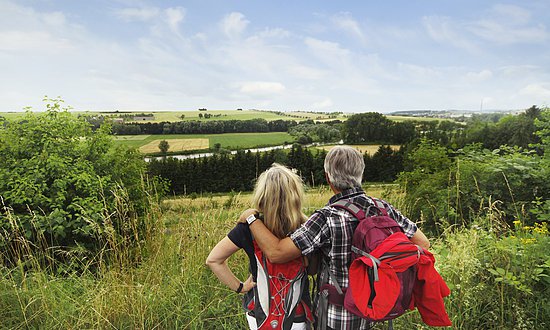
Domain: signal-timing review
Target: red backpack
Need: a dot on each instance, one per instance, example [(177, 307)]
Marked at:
[(379, 244), (281, 294)]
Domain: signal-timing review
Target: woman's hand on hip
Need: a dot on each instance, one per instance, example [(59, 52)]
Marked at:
[(248, 285)]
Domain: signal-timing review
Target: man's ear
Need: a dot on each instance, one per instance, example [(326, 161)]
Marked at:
[(330, 184)]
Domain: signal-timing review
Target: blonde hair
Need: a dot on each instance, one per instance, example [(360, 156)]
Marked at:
[(278, 195)]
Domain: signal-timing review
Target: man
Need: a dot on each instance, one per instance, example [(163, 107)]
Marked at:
[(330, 231)]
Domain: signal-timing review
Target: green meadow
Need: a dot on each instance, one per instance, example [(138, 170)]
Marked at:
[(405, 118), (172, 116)]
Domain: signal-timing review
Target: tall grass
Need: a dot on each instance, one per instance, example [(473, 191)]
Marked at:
[(169, 287)]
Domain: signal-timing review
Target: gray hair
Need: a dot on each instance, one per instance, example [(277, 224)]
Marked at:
[(344, 166)]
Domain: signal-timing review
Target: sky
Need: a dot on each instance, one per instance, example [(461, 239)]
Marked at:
[(350, 56)]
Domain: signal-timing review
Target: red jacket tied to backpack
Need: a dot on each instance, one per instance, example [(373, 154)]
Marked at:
[(428, 291)]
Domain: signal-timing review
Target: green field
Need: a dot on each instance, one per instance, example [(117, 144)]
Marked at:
[(12, 115), (235, 115), (407, 118), (172, 116), (216, 115), (231, 141)]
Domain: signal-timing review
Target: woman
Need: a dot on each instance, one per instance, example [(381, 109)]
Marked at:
[(278, 197)]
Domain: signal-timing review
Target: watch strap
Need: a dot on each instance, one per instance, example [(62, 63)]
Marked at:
[(251, 218)]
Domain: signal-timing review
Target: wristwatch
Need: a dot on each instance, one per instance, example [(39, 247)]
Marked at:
[(251, 218)]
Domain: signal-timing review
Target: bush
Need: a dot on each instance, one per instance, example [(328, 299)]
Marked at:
[(66, 187), (444, 190)]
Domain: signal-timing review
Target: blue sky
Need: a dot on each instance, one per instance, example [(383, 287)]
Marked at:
[(351, 56)]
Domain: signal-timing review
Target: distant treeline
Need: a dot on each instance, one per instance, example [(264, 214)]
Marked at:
[(203, 127), (223, 173), (490, 130)]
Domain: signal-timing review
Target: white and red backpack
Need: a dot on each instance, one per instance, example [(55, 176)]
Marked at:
[(281, 296)]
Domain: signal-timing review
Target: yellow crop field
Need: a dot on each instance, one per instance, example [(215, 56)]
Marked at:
[(370, 148), (131, 137), (176, 145)]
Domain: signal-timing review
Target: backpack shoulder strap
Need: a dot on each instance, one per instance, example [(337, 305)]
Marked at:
[(379, 205), (355, 210)]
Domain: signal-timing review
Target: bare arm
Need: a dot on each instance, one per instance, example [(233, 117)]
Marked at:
[(420, 239), (217, 261), (276, 250)]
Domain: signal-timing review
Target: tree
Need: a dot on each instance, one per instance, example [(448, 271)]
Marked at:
[(373, 127), (164, 146)]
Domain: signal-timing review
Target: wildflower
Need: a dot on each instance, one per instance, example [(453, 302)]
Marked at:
[(541, 228), (528, 241)]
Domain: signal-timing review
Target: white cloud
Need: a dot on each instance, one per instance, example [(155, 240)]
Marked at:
[(34, 40), (418, 72), (55, 19), (520, 70), (345, 21), (502, 24), (326, 49), (323, 104), (262, 87), (498, 32), (541, 91), (273, 33), (138, 14), (174, 16), (512, 14), (479, 76), (234, 24), (444, 30), (300, 71)]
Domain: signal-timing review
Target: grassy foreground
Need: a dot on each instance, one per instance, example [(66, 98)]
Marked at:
[(495, 280)]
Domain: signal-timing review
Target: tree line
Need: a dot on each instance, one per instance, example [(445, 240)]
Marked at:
[(203, 127), (224, 173), (490, 130)]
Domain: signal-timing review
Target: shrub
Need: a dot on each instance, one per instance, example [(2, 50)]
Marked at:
[(63, 185), (451, 191)]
